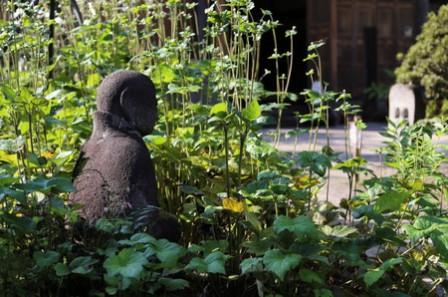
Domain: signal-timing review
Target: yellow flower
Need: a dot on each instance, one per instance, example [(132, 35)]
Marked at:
[(417, 256), (48, 154), (233, 205)]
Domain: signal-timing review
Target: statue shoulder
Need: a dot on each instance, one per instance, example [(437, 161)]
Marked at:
[(126, 148)]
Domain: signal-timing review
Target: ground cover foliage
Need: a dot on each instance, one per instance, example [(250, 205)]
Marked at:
[(250, 220)]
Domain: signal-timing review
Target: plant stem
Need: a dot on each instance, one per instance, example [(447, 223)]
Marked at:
[(226, 148)]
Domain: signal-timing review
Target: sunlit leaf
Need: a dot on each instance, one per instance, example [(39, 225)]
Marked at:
[(252, 111), (219, 108), (391, 201)]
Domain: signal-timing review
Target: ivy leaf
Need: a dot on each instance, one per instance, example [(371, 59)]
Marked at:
[(280, 263), (391, 201), (128, 263), (252, 111)]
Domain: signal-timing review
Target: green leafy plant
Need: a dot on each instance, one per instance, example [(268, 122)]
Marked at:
[(251, 223), (424, 63)]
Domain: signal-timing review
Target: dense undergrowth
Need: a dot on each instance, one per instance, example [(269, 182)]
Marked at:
[(251, 223)]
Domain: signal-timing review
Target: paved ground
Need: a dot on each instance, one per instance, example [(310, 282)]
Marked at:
[(372, 141)]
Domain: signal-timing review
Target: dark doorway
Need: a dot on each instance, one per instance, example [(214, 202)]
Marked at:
[(289, 14), (371, 55)]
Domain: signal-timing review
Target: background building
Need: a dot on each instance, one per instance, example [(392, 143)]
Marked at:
[(363, 38)]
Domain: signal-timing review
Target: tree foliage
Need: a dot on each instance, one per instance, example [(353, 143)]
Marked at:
[(426, 62)]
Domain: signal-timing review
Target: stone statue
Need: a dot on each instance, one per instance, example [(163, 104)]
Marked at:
[(114, 174)]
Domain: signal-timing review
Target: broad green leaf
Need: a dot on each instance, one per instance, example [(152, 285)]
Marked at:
[(343, 231), (168, 252), (82, 265), (16, 194), (322, 293), (374, 275), (111, 290), (252, 111), (128, 263), (61, 184), (156, 139), (253, 220), (142, 238), (8, 93), (208, 246), (45, 185), (197, 264), (173, 284), (163, 74), (61, 269), (213, 263), (280, 263), (391, 201), (440, 241), (219, 108), (390, 263), (43, 260), (251, 265), (300, 225), (310, 276), (317, 162), (267, 175), (93, 80), (259, 246)]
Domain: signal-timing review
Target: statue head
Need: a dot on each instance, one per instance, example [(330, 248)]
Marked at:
[(131, 96)]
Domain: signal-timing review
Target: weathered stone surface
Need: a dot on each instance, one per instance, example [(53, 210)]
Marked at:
[(114, 174), (405, 103)]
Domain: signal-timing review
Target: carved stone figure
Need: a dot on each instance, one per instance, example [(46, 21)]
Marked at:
[(114, 174), (405, 103)]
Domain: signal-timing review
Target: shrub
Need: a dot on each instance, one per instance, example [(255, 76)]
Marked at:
[(426, 62)]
